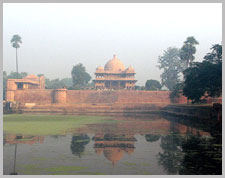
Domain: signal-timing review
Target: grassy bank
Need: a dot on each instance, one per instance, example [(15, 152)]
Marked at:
[(46, 124)]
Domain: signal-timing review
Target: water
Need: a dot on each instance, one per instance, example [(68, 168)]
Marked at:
[(129, 145)]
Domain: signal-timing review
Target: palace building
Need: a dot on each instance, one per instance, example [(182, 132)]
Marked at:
[(115, 76)]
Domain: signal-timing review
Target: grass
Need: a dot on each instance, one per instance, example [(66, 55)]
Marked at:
[(60, 170), (46, 124), (129, 164)]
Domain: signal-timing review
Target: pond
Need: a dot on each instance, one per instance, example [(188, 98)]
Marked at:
[(107, 145)]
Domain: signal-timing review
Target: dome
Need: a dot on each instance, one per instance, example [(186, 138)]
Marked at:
[(31, 77), (100, 68), (113, 154), (114, 65), (130, 69)]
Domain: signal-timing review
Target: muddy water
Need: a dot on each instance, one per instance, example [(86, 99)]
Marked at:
[(131, 145)]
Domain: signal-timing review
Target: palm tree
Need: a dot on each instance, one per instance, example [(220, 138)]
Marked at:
[(16, 39)]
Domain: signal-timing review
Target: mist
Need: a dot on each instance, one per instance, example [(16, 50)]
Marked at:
[(58, 36)]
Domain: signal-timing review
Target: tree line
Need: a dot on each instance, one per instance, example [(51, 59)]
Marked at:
[(195, 80)]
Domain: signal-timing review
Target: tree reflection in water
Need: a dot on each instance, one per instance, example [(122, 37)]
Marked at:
[(152, 138), (203, 156), (172, 154), (78, 143), (191, 154)]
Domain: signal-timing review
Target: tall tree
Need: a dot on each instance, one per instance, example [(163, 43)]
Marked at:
[(188, 50), (152, 85), (215, 56), (16, 40), (80, 76), (172, 67)]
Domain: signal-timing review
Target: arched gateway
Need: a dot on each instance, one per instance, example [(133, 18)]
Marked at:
[(115, 76)]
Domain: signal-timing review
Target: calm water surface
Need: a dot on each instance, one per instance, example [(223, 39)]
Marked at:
[(136, 145)]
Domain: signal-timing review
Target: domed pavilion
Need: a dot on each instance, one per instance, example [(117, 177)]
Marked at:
[(115, 76)]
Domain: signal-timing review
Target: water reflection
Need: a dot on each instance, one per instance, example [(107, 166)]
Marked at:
[(22, 139), (172, 154), (194, 153), (78, 143), (202, 156), (14, 165), (152, 138), (114, 146), (177, 148)]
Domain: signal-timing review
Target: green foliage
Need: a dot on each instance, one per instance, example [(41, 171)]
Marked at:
[(152, 85), (16, 75), (188, 50), (215, 55), (205, 77), (16, 39), (177, 90), (80, 76), (139, 87), (172, 67), (57, 83)]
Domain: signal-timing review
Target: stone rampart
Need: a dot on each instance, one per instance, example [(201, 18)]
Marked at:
[(91, 96), (73, 101)]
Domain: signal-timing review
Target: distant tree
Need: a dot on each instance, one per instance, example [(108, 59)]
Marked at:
[(139, 87), (152, 85), (57, 83), (172, 67), (40, 75), (177, 91), (204, 78), (80, 76), (188, 50), (16, 39), (67, 82), (16, 75)]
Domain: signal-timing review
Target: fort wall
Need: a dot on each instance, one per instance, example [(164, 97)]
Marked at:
[(38, 96), (74, 101), (91, 96)]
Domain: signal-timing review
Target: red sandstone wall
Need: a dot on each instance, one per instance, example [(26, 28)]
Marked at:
[(33, 96), (93, 96)]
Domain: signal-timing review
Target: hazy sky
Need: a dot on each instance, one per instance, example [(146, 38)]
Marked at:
[(57, 36)]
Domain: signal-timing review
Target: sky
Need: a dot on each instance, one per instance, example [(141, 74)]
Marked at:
[(58, 36)]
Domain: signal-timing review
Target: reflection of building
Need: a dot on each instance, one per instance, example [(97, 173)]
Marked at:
[(114, 76), (16, 139), (113, 146)]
